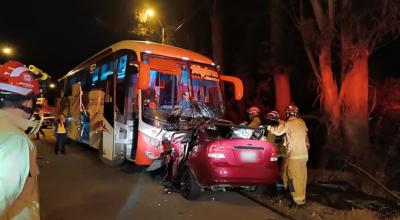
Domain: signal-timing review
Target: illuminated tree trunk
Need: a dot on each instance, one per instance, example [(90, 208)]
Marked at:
[(278, 49), (354, 94), (329, 89), (282, 92)]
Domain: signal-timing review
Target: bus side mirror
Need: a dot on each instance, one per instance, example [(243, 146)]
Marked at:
[(237, 83), (144, 75)]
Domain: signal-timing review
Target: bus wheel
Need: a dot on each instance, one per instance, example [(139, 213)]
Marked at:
[(112, 163), (189, 188), (117, 161)]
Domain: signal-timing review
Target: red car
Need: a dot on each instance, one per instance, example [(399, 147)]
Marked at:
[(220, 155)]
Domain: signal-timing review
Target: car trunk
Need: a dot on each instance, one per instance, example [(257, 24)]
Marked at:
[(241, 152)]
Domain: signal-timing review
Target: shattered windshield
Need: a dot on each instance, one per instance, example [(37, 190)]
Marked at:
[(191, 93)]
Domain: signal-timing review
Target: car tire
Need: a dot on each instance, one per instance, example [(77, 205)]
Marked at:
[(189, 188)]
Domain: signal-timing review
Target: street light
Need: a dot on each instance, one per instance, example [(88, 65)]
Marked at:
[(7, 51), (149, 13), (52, 85)]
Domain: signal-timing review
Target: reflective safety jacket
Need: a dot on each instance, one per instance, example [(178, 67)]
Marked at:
[(18, 171), (255, 122), (296, 138)]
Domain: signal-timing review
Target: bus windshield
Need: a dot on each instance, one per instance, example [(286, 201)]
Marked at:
[(194, 90)]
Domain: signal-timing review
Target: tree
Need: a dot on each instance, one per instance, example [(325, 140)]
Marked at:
[(216, 32), (280, 70), (347, 31)]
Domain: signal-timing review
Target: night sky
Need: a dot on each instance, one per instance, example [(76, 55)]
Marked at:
[(58, 35)]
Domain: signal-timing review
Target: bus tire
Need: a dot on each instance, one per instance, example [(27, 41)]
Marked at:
[(116, 162), (112, 163)]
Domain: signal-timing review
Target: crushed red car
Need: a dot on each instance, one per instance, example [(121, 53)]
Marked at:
[(216, 154)]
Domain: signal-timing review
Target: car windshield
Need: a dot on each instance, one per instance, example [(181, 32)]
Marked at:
[(229, 130), (193, 88)]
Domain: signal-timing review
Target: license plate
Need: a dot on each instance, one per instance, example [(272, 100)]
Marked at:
[(248, 156)]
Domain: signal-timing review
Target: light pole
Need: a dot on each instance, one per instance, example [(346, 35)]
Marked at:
[(162, 32), (149, 13)]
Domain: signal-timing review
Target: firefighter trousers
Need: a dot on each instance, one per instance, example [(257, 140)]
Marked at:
[(283, 172), (297, 179)]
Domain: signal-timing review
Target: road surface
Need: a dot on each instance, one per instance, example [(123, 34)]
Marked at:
[(78, 186)]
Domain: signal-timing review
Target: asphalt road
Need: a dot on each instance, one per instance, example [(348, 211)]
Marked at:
[(78, 186)]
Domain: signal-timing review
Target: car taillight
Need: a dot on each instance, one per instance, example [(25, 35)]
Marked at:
[(216, 152), (274, 154)]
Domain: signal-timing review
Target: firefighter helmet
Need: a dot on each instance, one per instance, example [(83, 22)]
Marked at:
[(253, 110), (273, 115), (16, 79), (291, 110)]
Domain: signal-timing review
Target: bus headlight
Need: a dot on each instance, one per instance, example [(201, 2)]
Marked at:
[(150, 155)]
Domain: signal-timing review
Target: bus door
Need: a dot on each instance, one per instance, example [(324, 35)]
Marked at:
[(124, 104), (126, 121), (108, 153), (131, 106)]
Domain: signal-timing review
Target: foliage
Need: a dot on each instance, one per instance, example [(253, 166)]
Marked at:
[(143, 27)]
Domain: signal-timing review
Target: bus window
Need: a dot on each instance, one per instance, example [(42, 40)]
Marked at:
[(85, 79), (121, 72), (61, 85), (106, 70), (121, 66), (70, 81), (206, 90), (95, 76), (160, 98)]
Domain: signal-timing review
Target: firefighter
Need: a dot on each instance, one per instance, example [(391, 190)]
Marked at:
[(18, 167), (254, 116), (273, 119), (297, 144)]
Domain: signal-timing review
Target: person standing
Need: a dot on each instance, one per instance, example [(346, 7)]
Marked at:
[(273, 119), (39, 116), (60, 129), (297, 143), (18, 168)]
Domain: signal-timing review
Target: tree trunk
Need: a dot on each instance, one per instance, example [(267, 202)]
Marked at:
[(282, 92), (278, 53), (355, 114), (216, 31), (329, 88)]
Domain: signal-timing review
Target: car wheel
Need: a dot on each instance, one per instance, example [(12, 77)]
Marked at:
[(189, 188)]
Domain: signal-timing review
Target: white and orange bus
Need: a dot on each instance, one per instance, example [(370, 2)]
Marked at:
[(119, 100)]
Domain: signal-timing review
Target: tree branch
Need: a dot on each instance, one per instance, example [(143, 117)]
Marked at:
[(319, 14), (312, 62), (374, 179), (331, 10)]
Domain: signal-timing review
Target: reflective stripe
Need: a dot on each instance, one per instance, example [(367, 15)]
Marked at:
[(305, 156), (299, 198), (16, 89), (18, 71)]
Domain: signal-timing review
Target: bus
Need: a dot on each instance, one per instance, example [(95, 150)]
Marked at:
[(118, 101)]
